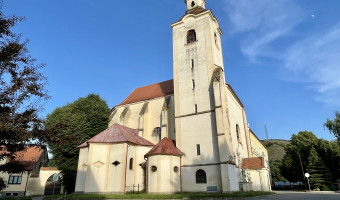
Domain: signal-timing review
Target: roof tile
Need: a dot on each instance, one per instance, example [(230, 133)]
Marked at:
[(164, 147), (118, 134), (149, 92)]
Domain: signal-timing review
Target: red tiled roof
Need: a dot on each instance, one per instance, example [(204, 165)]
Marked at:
[(34, 176), (27, 157), (149, 92), (253, 163), (164, 147), (48, 168), (118, 134)]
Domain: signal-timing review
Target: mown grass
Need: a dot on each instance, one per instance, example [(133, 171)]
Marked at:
[(16, 198), (163, 196)]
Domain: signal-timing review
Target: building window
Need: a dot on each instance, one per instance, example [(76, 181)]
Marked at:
[(192, 63), (238, 133), (15, 180), (195, 108), (157, 132), (201, 177), (153, 168), (216, 40), (176, 169), (131, 164), (192, 4), (191, 37), (193, 84), (198, 148)]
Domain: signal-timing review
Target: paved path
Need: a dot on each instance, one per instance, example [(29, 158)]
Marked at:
[(290, 195)]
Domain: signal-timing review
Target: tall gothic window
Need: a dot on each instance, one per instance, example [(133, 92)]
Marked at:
[(238, 132), (157, 132), (201, 176), (191, 37), (131, 164)]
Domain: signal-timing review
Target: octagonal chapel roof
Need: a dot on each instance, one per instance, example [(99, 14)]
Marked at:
[(118, 134)]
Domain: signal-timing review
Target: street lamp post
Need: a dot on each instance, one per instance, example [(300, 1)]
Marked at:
[(307, 176)]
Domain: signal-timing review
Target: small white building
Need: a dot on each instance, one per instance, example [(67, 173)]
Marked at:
[(197, 121), (33, 158)]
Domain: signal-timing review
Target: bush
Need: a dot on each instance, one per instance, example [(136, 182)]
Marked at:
[(325, 188)]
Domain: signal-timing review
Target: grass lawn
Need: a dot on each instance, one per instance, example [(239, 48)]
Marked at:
[(162, 196)]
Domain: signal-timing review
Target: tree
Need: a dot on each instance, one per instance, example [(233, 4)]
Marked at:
[(294, 163), (21, 91), (334, 125), (73, 124), (275, 170), (320, 176)]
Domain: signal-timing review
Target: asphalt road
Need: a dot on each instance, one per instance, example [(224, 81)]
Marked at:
[(299, 195)]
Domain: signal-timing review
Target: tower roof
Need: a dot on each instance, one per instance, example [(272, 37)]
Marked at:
[(150, 92), (118, 134), (164, 147)]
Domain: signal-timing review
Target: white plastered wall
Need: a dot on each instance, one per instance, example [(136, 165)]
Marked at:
[(260, 179), (102, 176), (82, 169), (36, 185), (151, 118), (165, 179), (236, 117)]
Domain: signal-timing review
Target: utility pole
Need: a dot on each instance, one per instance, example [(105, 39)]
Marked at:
[(265, 127)]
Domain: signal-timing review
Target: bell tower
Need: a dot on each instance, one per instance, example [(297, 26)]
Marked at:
[(195, 3), (201, 119)]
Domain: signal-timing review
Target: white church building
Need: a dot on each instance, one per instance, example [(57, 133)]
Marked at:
[(189, 134)]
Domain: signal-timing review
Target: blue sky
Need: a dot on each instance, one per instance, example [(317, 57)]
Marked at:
[(282, 57)]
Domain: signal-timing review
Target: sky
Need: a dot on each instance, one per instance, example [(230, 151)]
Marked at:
[(282, 57)]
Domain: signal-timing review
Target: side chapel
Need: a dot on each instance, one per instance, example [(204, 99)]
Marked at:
[(189, 134)]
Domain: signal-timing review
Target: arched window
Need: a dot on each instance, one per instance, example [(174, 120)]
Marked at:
[(192, 4), (201, 177), (157, 132), (238, 132), (191, 37), (131, 164)]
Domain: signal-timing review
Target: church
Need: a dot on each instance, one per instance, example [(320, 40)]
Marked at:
[(189, 134)]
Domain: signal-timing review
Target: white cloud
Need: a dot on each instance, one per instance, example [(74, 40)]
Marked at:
[(317, 60), (264, 21), (263, 27)]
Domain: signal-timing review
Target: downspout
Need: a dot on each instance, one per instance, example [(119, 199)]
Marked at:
[(146, 176), (28, 175), (127, 149), (245, 130)]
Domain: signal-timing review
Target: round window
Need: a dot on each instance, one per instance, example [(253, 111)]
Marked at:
[(176, 169), (153, 168)]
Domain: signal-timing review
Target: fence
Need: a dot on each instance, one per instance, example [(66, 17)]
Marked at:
[(138, 188)]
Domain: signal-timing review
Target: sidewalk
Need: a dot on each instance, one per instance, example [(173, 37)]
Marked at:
[(312, 192)]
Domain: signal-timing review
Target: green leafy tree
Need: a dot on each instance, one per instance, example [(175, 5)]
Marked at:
[(319, 174), (275, 170), (21, 91), (295, 160), (73, 124), (330, 154), (334, 125)]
